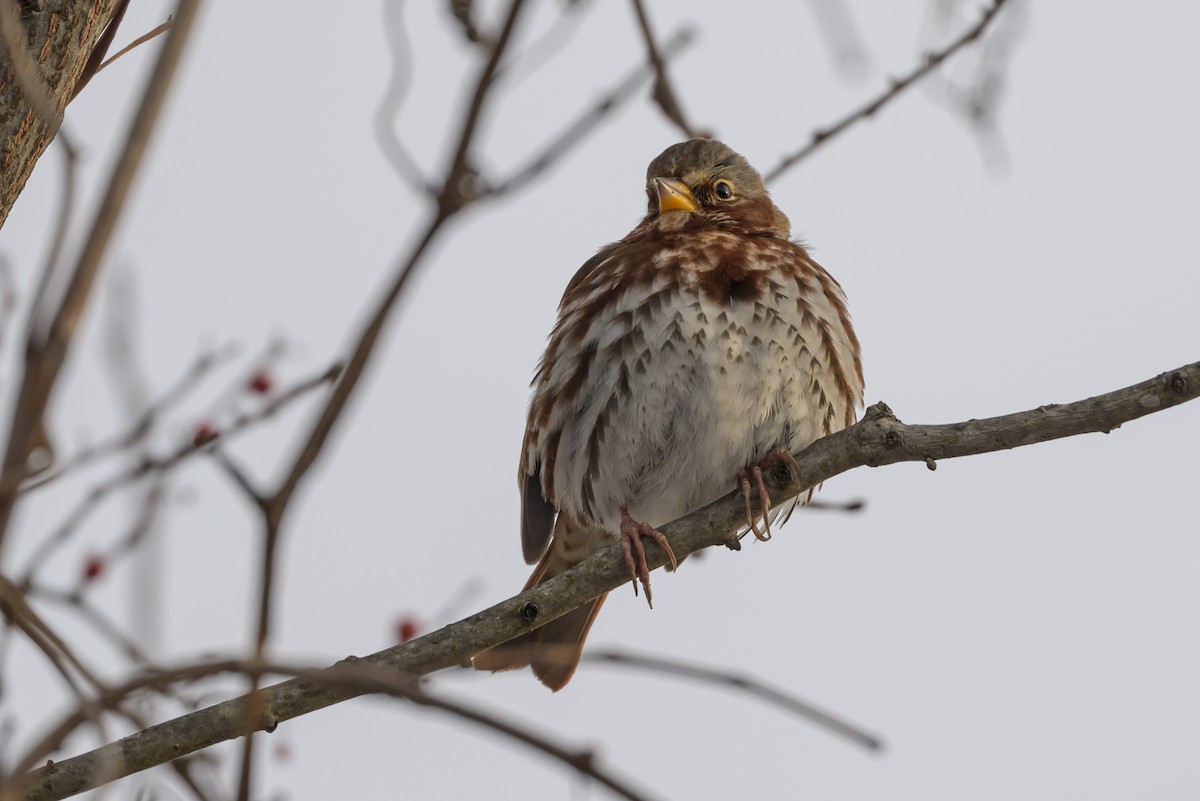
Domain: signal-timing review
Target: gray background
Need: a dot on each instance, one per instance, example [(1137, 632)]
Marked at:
[(1017, 625)]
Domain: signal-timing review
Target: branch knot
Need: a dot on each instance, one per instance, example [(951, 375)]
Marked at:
[(529, 612)]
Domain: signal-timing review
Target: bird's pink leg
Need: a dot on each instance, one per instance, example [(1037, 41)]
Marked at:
[(754, 474), (635, 553)]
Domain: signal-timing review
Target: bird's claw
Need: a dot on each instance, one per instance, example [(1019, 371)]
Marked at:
[(635, 552), (754, 474)]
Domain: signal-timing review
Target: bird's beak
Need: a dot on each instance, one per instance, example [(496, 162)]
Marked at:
[(673, 195)]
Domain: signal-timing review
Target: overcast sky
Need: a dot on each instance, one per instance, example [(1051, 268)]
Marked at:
[(1016, 625)]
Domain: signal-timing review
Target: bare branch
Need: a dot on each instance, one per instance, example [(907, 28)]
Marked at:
[(876, 440), (455, 193), (582, 761), (896, 87), (205, 363), (356, 677), (747, 684), (841, 35), (393, 98), (575, 133), (664, 92), (163, 464)]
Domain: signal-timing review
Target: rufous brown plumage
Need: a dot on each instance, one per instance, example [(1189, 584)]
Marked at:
[(701, 348)]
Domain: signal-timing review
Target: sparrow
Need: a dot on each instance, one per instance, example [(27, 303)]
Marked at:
[(701, 349)]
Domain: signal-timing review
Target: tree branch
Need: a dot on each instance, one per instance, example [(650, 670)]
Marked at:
[(896, 87), (738, 680), (664, 91), (878, 439), (353, 676)]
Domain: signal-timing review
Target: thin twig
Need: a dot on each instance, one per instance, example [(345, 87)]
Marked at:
[(744, 683), (239, 476), (453, 197), (138, 42), (393, 98), (896, 87), (100, 624), (163, 464), (18, 613), (841, 35), (876, 440), (204, 364), (664, 91), (540, 51), (8, 298), (582, 761), (577, 131)]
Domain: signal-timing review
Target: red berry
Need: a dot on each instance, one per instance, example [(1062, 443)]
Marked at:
[(261, 383), (205, 433), (407, 628), (93, 567)]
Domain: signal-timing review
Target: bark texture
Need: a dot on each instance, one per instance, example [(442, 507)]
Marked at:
[(59, 37)]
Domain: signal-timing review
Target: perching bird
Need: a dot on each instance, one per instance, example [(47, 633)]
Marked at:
[(701, 348)]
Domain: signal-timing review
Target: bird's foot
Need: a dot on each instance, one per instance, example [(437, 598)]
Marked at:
[(635, 553), (753, 475)]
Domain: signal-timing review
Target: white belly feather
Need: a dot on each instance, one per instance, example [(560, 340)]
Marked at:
[(669, 415)]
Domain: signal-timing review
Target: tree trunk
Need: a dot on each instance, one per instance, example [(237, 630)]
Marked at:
[(60, 36)]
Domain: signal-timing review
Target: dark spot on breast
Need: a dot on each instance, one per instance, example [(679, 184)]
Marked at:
[(732, 281)]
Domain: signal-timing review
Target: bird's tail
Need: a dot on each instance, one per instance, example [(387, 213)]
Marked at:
[(553, 650)]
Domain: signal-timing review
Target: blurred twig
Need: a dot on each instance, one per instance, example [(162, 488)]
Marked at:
[(137, 432), (574, 133), (49, 342), (393, 98), (153, 465), (841, 35), (353, 677), (743, 683), (664, 91), (896, 87), (545, 47), (8, 298), (975, 97), (583, 761)]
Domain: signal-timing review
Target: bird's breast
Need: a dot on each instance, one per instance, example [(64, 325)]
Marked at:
[(662, 384)]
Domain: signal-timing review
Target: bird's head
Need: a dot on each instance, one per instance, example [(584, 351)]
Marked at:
[(705, 177)]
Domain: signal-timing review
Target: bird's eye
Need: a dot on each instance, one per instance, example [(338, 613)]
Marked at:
[(723, 190)]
